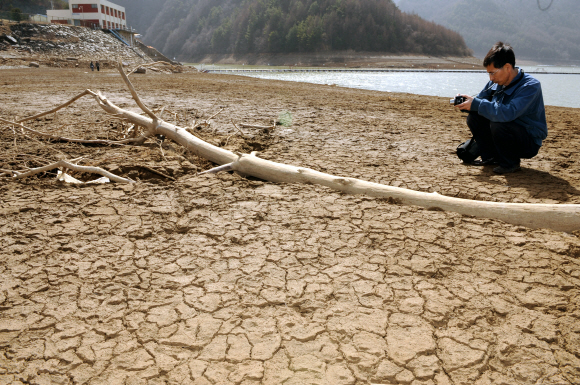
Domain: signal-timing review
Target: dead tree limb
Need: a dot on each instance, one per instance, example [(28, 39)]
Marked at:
[(86, 92), (61, 138), (206, 122), (214, 115), (238, 128), (134, 94), (244, 125), (564, 217), (215, 170), (157, 172), (70, 166), (560, 217)]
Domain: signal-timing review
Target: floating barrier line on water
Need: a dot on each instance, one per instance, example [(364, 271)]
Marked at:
[(370, 70)]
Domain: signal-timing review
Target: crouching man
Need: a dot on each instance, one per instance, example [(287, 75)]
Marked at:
[(508, 118)]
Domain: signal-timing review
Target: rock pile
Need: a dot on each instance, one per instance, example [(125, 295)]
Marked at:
[(64, 45)]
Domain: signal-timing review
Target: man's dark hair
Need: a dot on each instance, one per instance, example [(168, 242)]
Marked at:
[(499, 55)]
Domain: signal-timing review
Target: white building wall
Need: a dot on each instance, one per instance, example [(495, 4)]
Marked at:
[(59, 15), (116, 21), (91, 13)]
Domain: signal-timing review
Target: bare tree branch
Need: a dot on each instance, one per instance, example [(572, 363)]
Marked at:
[(68, 165), (237, 128), (215, 170), (257, 126), (61, 138), (86, 92), (560, 217), (134, 94), (158, 172)]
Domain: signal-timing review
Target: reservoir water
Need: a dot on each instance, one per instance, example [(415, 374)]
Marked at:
[(559, 89)]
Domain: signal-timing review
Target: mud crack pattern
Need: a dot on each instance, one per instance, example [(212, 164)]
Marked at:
[(224, 280)]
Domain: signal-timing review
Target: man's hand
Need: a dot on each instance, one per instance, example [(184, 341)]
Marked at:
[(466, 105)]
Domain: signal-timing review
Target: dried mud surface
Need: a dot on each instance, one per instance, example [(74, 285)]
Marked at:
[(218, 279)]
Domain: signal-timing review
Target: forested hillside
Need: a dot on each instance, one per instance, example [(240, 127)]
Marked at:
[(191, 28), (550, 35), (32, 6)]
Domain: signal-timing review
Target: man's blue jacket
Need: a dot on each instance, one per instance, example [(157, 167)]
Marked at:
[(521, 102)]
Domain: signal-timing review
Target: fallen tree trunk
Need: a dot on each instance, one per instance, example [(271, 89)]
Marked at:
[(565, 217), (561, 217)]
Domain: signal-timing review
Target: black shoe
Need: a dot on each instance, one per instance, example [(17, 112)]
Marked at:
[(487, 162), (506, 170)]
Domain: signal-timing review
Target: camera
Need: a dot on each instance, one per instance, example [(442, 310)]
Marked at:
[(457, 100)]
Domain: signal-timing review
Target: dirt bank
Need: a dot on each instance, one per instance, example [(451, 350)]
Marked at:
[(217, 279), (342, 59), (55, 45)]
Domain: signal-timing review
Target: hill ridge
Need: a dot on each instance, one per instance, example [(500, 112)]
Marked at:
[(190, 29)]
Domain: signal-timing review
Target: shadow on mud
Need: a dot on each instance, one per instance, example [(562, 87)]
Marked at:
[(539, 184)]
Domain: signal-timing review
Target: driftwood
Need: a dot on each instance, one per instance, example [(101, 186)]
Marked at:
[(561, 217), (66, 165), (206, 123), (245, 125), (64, 139)]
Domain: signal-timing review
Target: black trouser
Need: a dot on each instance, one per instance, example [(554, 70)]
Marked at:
[(505, 142)]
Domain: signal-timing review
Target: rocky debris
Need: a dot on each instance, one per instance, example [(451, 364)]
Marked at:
[(10, 39), (67, 45)]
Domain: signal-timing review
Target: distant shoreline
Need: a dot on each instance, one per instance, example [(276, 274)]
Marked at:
[(346, 59), (351, 59), (281, 69)]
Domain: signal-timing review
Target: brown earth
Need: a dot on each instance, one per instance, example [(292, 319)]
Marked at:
[(218, 279), (349, 59)]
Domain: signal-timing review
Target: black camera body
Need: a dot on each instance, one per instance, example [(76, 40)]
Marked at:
[(458, 100)]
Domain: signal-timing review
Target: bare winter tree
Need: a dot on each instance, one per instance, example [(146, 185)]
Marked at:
[(561, 217)]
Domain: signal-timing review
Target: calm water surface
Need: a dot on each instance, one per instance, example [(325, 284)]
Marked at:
[(558, 90)]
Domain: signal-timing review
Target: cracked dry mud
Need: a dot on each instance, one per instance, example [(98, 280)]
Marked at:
[(217, 279)]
